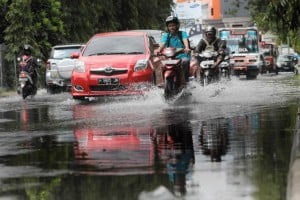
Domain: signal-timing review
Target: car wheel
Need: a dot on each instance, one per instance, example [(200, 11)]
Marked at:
[(81, 98), (251, 77), (53, 89)]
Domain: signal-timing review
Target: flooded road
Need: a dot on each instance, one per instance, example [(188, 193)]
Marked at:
[(230, 140)]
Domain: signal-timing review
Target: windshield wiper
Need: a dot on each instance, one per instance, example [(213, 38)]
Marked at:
[(97, 54), (115, 53), (135, 52)]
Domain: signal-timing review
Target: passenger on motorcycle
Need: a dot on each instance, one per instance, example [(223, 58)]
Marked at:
[(211, 41), (178, 39), (29, 63)]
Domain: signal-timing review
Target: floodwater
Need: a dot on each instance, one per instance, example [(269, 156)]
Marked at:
[(230, 140)]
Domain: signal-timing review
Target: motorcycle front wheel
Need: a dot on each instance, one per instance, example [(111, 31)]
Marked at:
[(170, 88), (26, 91)]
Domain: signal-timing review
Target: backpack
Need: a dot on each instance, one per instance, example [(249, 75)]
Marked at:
[(210, 46), (180, 37)]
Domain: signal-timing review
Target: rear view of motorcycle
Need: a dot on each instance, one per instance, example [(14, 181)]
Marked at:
[(208, 72), (172, 73)]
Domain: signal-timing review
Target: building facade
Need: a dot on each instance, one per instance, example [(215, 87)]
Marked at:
[(226, 13)]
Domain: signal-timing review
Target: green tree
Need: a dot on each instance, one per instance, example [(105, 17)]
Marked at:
[(45, 23), (278, 16), (153, 15), (34, 22), (3, 23)]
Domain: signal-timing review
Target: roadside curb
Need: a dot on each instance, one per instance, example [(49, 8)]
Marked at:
[(293, 184), (7, 93)]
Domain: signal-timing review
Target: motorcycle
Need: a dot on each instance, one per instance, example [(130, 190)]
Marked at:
[(174, 148), (207, 70), (225, 67), (214, 138), (26, 86), (172, 73)]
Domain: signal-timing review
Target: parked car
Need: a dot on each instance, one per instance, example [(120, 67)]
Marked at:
[(114, 63), (285, 63), (59, 67)]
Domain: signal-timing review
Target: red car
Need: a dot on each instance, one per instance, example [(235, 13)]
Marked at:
[(114, 63)]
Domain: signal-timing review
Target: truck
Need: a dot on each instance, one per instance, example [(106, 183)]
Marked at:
[(243, 46)]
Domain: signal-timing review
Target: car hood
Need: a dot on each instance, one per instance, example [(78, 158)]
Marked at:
[(119, 61)]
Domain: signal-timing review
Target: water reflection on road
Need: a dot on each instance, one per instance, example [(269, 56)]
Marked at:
[(230, 140)]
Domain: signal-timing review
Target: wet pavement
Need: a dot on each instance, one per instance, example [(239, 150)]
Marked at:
[(230, 140)]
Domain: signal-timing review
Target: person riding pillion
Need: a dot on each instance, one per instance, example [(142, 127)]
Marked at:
[(178, 39), (211, 41)]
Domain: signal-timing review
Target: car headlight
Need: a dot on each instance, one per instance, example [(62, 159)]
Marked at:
[(79, 67), (140, 65)]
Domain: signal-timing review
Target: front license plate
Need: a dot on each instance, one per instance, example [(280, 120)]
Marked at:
[(108, 81), (208, 62)]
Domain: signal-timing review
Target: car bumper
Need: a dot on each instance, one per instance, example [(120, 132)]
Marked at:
[(137, 84), (53, 78), (243, 69)]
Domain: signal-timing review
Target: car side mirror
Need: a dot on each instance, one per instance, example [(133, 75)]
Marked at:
[(74, 55)]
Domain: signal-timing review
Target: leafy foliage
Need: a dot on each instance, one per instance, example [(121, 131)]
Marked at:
[(44, 23), (34, 22), (279, 16)]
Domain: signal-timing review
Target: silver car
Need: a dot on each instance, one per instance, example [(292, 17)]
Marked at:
[(59, 67)]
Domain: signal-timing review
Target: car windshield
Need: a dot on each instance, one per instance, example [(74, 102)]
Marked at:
[(64, 52), (109, 45)]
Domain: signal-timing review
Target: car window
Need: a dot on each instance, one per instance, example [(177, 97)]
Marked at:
[(107, 45), (61, 53)]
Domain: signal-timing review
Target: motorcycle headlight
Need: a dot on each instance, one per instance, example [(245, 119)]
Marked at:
[(140, 65), (79, 67)]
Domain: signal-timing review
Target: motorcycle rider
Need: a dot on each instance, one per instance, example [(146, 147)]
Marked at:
[(178, 39), (30, 64), (211, 41)]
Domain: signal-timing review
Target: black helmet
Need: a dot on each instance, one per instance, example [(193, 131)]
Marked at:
[(27, 49), (211, 29), (172, 19), (210, 32)]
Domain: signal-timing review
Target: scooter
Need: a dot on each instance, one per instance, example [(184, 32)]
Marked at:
[(172, 73), (207, 71), (25, 86)]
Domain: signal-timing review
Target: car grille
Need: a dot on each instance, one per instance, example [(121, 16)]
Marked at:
[(108, 87), (108, 71)]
